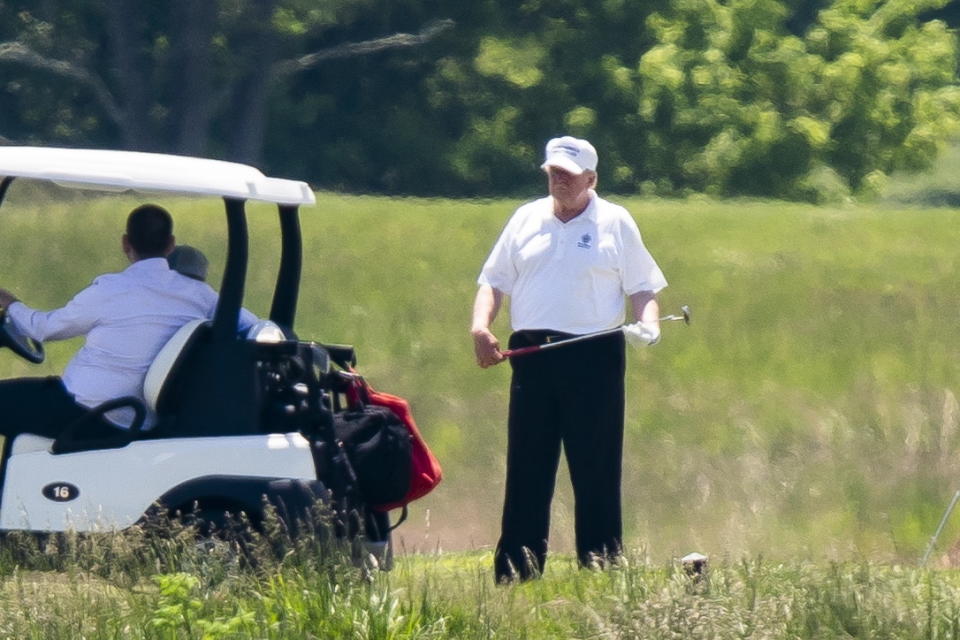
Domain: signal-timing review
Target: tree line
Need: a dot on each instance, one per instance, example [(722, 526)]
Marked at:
[(803, 99)]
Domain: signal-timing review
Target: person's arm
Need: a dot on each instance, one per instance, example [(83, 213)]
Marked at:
[(6, 299), (75, 319), (485, 308), (496, 280), (645, 307), (645, 329), (642, 279), (247, 319)]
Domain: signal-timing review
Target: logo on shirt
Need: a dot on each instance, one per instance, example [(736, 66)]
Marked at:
[(585, 241)]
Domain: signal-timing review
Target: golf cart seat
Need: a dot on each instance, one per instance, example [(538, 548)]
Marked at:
[(156, 390), (27, 442), (72, 438), (160, 381), (75, 436), (183, 387), (159, 391)]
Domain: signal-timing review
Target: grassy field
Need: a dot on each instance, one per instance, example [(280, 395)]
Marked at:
[(173, 591), (125, 586), (807, 416), (809, 409)]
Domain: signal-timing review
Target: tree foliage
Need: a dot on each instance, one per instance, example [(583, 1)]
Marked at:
[(731, 102), (184, 76), (806, 99)]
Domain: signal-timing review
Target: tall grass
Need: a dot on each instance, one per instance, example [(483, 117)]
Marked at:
[(809, 411), (125, 586)]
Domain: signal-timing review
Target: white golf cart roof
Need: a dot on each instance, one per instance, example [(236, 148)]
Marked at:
[(104, 170)]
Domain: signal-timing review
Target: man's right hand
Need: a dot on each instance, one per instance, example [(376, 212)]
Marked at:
[(487, 348), (6, 299)]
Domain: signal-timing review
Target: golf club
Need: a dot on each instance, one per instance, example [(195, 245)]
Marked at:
[(943, 521), (510, 353)]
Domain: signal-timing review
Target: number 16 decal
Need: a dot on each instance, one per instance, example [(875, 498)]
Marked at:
[(61, 492)]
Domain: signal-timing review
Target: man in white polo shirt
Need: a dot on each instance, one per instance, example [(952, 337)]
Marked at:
[(126, 317), (568, 262)]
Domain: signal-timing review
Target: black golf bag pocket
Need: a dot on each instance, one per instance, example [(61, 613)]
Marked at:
[(378, 446)]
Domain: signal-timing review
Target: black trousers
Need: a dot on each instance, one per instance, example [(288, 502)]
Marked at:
[(41, 406), (571, 396)]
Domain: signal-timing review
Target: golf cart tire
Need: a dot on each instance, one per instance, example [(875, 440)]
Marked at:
[(222, 502)]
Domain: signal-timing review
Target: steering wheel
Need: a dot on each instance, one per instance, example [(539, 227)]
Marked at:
[(24, 346)]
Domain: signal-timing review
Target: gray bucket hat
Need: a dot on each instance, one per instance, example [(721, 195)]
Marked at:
[(189, 261)]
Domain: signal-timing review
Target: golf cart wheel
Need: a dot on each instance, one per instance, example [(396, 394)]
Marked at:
[(228, 522)]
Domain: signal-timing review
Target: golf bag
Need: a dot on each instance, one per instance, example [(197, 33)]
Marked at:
[(369, 451), (352, 393), (378, 447), (362, 453), (425, 471)]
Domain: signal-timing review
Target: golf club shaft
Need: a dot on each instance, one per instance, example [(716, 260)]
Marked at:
[(943, 521), (509, 353), (540, 347)]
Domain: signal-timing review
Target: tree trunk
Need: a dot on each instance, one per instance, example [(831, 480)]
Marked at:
[(253, 89), (124, 22), (265, 71), (194, 101)]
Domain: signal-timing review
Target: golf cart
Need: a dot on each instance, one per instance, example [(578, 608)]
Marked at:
[(243, 422)]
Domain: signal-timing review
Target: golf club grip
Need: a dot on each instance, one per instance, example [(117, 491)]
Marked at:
[(509, 353)]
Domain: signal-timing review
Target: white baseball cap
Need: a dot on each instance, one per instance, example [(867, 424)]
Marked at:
[(570, 154)]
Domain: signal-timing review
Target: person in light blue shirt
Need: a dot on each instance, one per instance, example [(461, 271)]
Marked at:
[(126, 318)]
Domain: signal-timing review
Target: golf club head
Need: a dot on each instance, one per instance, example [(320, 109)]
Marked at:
[(685, 317)]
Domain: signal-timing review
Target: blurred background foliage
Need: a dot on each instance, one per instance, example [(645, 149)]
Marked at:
[(814, 100)]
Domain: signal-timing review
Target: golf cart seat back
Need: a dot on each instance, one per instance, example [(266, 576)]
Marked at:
[(157, 391), (167, 361), (199, 386)]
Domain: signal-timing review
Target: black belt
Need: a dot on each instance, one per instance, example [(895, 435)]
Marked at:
[(538, 336)]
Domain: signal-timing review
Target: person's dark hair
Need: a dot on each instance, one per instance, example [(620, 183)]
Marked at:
[(149, 230)]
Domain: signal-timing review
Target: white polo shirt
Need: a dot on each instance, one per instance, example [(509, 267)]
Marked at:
[(127, 317), (571, 277)]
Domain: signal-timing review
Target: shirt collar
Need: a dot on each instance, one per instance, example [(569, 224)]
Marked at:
[(149, 265), (588, 215)]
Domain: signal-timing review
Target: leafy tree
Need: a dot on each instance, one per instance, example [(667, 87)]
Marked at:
[(733, 104), (168, 76), (802, 100), (759, 97), (797, 99)]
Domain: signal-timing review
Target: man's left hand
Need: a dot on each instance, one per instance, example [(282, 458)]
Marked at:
[(642, 333)]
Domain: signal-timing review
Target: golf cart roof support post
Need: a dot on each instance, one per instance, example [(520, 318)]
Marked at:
[(227, 316), (284, 308), (4, 185)]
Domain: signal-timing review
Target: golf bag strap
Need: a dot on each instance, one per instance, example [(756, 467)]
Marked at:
[(403, 518)]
